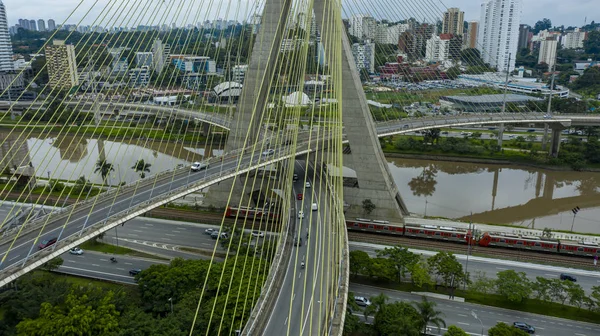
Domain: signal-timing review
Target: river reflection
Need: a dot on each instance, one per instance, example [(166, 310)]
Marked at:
[(501, 194), (69, 157)]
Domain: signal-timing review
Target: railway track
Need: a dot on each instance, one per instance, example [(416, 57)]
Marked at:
[(499, 253)]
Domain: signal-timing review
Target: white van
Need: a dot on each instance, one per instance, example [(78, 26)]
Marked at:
[(314, 207)]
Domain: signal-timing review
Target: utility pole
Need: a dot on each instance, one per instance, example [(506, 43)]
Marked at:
[(575, 210), (506, 83), (469, 238)]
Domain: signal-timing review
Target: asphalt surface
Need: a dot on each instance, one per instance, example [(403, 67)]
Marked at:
[(459, 314), (300, 306), (490, 267)]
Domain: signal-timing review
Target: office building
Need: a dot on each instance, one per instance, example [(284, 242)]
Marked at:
[(574, 40), (238, 73), (548, 52), (144, 59), (438, 48), (160, 54), (470, 37), (139, 77), (453, 22), (498, 37), (51, 24), (524, 36), (6, 54), (61, 65), (364, 56), (386, 34), (41, 25), (363, 27)]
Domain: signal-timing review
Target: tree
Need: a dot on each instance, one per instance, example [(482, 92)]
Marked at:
[(547, 233), (592, 42), (503, 329), (141, 167), (401, 258), (359, 262), (80, 315), (398, 318), (543, 24), (368, 206), (432, 135), (514, 286), (595, 296), (455, 331), (471, 57), (104, 168), (482, 284), (575, 293), (453, 72), (444, 265), (53, 264), (419, 274), (557, 290), (377, 303), (428, 314), (542, 288)]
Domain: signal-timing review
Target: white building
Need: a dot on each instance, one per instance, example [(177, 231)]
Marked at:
[(144, 59), (363, 27), (438, 48), (498, 36), (139, 77), (238, 73), (364, 56), (574, 40), (548, 52), (160, 54), (6, 54), (389, 34)]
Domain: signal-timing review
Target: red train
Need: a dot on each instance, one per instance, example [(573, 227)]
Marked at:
[(488, 239)]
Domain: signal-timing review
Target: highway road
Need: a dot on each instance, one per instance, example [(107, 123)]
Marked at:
[(459, 314), (490, 267), (300, 306)]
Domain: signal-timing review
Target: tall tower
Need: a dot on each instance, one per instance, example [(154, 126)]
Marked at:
[(6, 63), (41, 25), (454, 22), (499, 32), (62, 65), (51, 24)]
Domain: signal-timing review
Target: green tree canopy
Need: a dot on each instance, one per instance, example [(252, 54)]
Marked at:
[(514, 286), (401, 258), (398, 318), (503, 329), (455, 331)]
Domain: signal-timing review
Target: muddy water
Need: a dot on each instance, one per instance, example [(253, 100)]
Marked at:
[(500, 194)]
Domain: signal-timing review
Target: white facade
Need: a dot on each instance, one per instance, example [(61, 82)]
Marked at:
[(6, 54), (51, 24), (160, 54), (238, 73), (139, 77), (548, 52), (363, 27), (144, 59), (574, 40), (364, 56), (437, 49), (389, 34), (498, 35)]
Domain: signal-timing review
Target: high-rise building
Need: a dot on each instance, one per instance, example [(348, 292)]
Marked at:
[(548, 52), (364, 56), (51, 24), (498, 37), (6, 54), (523, 36), (438, 48), (363, 27), (389, 34), (32, 25), (61, 65), (574, 40), (453, 22), (470, 37), (41, 25), (24, 23), (144, 59), (160, 54)]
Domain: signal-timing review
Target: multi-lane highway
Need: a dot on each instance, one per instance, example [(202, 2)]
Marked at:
[(459, 314)]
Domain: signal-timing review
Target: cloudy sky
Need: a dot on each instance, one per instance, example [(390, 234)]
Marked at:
[(561, 12)]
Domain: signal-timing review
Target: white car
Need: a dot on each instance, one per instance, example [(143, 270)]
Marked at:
[(362, 301), (257, 234), (300, 214), (268, 152), (198, 166), (307, 185), (76, 251), (314, 207)]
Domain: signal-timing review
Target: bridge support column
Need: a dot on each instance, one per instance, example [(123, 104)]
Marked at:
[(374, 179), (545, 137), (246, 126), (555, 145), (500, 135)]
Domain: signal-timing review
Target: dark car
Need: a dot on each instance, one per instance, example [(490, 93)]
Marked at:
[(47, 242), (525, 327), (565, 276), (135, 271)]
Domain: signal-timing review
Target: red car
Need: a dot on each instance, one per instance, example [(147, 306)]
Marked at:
[(47, 242), (300, 197)]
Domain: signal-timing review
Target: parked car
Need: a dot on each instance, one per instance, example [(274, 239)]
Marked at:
[(257, 234), (525, 327), (76, 251), (362, 301), (198, 166), (47, 242), (135, 271), (565, 276)]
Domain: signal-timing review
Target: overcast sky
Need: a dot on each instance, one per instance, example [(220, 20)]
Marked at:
[(561, 12)]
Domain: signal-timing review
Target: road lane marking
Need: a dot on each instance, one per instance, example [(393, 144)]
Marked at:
[(463, 323), (92, 271), (579, 334), (71, 261), (147, 224), (128, 263), (13, 258), (138, 231), (96, 265), (170, 235), (120, 269), (501, 268), (285, 322), (462, 315)]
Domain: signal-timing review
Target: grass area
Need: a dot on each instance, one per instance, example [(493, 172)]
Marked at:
[(93, 245), (204, 252), (530, 305)]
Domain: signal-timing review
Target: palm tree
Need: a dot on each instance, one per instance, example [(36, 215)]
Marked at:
[(142, 167), (104, 168), (428, 314), (377, 302)]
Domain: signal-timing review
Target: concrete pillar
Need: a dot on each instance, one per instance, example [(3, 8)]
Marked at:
[(374, 179), (555, 142), (500, 135), (495, 187), (545, 137), (549, 186), (246, 126), (538, 184)]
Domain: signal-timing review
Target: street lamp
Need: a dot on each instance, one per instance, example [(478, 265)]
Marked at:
[(171, 302), (475, 316)]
